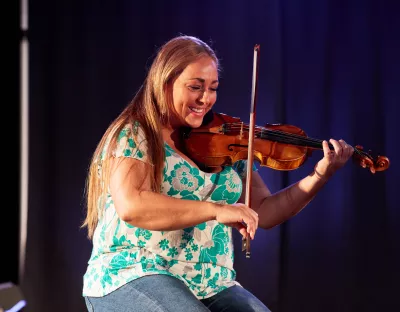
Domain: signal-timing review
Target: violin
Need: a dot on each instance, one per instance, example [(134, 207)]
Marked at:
[(222, 140)]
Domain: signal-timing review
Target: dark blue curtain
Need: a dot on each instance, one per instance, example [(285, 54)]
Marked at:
[(330, 67)]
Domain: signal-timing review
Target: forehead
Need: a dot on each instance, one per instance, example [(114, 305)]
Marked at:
[(204, 68)]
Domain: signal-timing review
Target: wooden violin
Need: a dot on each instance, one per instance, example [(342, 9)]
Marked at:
[(222, 140)]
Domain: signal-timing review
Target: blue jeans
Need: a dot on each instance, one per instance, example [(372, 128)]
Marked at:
[(162, 293)]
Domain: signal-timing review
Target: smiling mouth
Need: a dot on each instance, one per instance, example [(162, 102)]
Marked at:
[(197, 111)]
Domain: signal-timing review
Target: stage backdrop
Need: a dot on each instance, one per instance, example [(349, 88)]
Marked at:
[(328, 67)]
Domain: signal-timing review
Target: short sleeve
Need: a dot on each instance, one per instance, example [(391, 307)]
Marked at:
[(241, 167), (132, 142)]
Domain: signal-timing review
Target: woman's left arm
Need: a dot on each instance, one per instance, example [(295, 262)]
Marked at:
[(273, 209)]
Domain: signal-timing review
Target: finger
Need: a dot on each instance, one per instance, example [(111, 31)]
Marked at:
[(254, 214), (348, 150), (342, 143), (243, 232), (337, 147), (242, 229), (239, 226), (251, 219), (255, 221), (326, 149), (250, 226)]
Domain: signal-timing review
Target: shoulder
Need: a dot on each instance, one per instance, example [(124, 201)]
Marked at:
[(131, 141), (132, 130)]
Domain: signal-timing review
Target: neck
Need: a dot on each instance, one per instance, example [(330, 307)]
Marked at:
[(172, 136)]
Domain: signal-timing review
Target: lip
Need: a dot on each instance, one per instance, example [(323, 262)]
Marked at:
[(200, 114)]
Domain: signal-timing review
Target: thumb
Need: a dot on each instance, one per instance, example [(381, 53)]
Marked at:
[(242, 229)]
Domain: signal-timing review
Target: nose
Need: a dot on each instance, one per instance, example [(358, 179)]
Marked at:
[(205, 98)]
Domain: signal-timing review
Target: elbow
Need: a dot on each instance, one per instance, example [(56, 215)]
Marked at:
[(125, 215), (127, 210), (134, 216), (134, 211)]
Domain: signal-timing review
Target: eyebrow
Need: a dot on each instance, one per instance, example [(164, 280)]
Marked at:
[(203, 80)]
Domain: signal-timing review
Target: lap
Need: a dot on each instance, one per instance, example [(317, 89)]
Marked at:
[(234, 299), (156, 293)]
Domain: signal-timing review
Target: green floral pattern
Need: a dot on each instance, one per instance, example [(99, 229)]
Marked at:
[(200, 256)]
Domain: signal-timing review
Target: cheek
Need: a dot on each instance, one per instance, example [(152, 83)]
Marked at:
[(178, 100)]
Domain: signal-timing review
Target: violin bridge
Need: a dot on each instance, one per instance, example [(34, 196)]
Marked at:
[(241, 131)]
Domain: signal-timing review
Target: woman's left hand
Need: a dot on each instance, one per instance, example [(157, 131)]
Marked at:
[(333, 159)]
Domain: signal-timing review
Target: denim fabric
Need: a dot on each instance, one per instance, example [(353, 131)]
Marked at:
[(234, 299), (162, 293)]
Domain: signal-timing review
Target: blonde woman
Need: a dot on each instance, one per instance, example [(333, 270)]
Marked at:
[(161, 227)]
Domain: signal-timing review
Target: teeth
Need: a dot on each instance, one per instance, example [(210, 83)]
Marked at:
[(197, 110)]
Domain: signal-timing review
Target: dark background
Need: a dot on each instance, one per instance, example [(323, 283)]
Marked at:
[(330, 67)]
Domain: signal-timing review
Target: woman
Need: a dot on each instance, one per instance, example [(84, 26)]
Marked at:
[(161, 227)]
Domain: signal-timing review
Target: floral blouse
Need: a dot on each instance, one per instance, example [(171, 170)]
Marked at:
[(201, 256)]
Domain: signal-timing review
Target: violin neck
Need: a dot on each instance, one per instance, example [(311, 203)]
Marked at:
[(292, 139)]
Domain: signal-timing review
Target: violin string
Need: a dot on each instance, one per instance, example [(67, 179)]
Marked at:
[(289, 135), (317, 143), (284, 136), (277, 132)]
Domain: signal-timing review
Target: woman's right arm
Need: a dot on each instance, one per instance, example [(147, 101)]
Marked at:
[(138, 205)]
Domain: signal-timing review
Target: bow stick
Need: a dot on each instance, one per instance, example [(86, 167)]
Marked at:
[(250, 158)]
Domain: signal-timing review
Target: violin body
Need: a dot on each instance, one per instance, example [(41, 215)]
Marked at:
[(222, 140), (215, 146)]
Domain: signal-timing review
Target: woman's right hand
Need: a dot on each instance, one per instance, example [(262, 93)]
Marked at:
[(239, 216)]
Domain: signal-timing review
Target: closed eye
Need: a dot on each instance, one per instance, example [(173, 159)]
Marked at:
[(196, 88), (200, 88)]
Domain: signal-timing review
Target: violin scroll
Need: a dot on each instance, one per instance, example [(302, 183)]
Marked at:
[(365, 160)]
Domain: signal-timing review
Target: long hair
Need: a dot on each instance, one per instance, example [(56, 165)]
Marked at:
[(152, 107)]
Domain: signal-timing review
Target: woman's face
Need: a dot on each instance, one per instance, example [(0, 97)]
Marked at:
[(195, 92)]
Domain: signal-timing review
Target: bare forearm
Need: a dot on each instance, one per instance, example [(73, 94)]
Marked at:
[(286, 203), (154, 211)]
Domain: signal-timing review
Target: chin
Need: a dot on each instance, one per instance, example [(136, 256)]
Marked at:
[(194, 123)]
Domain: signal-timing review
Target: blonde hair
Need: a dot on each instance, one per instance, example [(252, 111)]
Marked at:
[(151, 107)]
